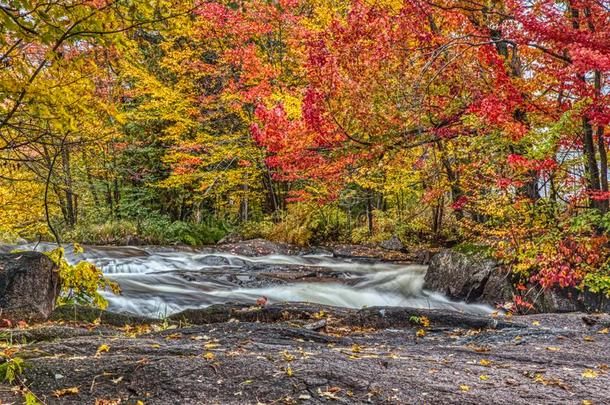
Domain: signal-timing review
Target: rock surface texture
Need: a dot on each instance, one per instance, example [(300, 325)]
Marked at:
[(29, 286), (392, 244), (472, 278), (311, 354)]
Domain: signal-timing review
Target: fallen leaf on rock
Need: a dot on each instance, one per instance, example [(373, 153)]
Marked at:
[(327, 394), (209, 356), (104, 348), (464, 388), (287, 356), (536, 323), (107, 401), (200, 337), (604, 331), (356, 348), (65, 391), (421, 333), (483, 377), (289, 372), (553, 349), (511, 381), (174, 336), (589, 339), (484, 362), (588, 373)]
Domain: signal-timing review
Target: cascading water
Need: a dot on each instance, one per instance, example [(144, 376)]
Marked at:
[(161, 281)]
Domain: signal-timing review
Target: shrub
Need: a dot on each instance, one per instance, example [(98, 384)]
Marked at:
[(81, 282), (154, 230)]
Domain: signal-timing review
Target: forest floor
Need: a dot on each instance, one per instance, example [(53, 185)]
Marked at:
[(302, 353)]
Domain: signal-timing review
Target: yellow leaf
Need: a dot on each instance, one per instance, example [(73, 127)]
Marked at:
[(604, 331), (588, 339), (483, 377), (424, 321), (420, 333), (174, 336), (588, 373), (356, 348), (211, 345), (484, 362), (536, 323), (464, 388), (289, 372), (586, 402), (102, 349), (552, 349), (209, 356), (287, 356), (65, 391)]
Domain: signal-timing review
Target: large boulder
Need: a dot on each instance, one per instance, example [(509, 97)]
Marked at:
[(570, 300), (392, 244), (259, 247), (468, 277), (29, 286), (474, 277)]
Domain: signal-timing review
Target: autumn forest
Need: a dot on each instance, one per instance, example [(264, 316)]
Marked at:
[(304, 202), (477, 123)]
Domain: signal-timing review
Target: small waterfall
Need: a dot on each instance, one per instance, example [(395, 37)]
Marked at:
[(159, 281)]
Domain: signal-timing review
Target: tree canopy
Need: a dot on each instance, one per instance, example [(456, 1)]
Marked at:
[(313, 121)]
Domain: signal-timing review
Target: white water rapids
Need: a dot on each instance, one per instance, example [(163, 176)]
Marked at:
[(161, 281)]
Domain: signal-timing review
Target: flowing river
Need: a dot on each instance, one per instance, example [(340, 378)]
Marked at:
[(160, 281)]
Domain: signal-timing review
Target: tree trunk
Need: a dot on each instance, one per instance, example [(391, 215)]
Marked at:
[(70, 211), (530, 188)]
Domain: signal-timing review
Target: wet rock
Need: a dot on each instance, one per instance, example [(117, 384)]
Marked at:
[(368, 253), (29, 286), (259, 247), (570, 300), (472, 278), (213, 260), (392, 244), (476, 278)]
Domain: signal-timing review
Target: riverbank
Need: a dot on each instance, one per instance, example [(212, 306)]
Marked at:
[(303, 353)]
